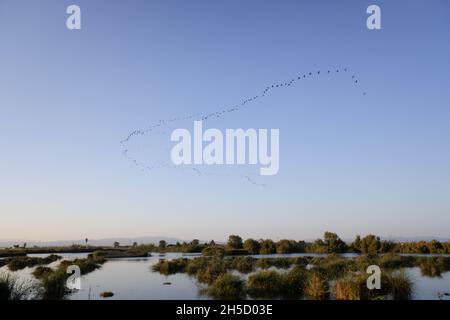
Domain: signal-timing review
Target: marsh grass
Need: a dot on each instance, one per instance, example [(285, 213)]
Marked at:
[(227, 287), (19, 263), (106, 294), (293, 282), (214, 268), (316, 286), (41, 272), (399, 284), (315, 278), (432, 267), (349, 288), (242, 264), (168, 267), (14, 288), (333, 266), (353, 286), (265, 284), (279, 263), (53, 286), (196, 265), (53, 282)]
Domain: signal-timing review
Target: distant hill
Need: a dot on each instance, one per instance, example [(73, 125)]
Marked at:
[(93, 242)]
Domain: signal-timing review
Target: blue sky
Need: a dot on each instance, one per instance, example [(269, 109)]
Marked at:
[(349, 163)]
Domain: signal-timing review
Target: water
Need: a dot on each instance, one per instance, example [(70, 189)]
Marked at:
[(132, 278), (66, 256)]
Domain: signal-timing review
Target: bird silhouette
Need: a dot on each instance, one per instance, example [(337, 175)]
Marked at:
[(218, 114)]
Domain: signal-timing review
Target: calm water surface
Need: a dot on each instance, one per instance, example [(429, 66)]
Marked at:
[(132, 278)]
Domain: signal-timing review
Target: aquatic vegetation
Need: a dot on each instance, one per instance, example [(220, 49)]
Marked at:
[(168, 267), (213, 251), (280, 263), (265, 284), (302, 261), (263, 263), (197, 264), (14, 288), (19, 263), (53, 282), (316, 286), (106, 294), (293, 282), (241, 264), (41, 272), (228, 287), (333, 266), (348, 288), (214, 268), (399, 284), (432, 267), (236, 252), (53, 286), (86, 265), (133, 252), (395, 261)]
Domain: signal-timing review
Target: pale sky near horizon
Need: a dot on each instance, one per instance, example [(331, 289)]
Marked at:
[(349, 163)]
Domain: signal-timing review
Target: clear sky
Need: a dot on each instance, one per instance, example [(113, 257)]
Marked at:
[(349, 163)]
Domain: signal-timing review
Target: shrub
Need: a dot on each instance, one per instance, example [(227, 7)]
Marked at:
[(280, 263), (19, 263), (86, 265), (316, 287), (41, 272), (53, 286), (167, 267), (333, 266), (293, 282), (432, 267), (227, 286), (106, 294), (195, 265), (400, 285), (12, 288), (265, 284), (347, 289), (263, 263), (214, 268), (213, 251), (302, 261), (236, 252), (242, 264)]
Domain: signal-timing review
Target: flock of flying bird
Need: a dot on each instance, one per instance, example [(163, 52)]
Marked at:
[(216, 115)]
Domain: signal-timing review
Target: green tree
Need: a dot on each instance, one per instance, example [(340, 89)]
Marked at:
[(234, 242), (116, 244), (370, 244), (252, 246), (356, 245), (319, 246), (162, 244), (284, 246), (267, 246), (435, 247), (333, 243)]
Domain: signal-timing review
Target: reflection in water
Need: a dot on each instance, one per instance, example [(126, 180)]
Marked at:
[(132, 278)]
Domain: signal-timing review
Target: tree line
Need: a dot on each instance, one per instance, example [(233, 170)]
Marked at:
[(330, 243)]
